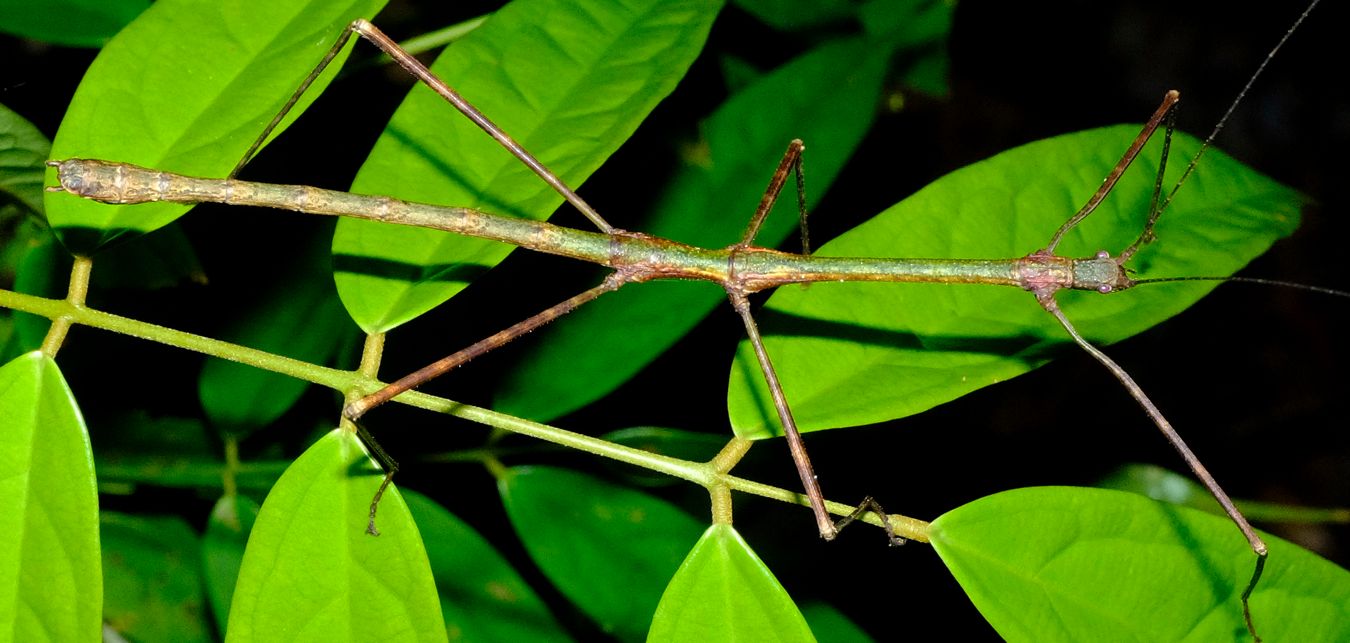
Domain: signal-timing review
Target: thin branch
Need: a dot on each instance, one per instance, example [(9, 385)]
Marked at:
[(697, 472)]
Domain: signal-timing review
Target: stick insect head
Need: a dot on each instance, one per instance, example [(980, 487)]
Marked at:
[(1102, 273)]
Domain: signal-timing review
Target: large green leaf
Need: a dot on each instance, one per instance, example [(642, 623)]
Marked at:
[(153, 584), (724, 592), (609, 549), (77, 23), (825, 97), (311, 571), (51, 583), (1070, 564), (187, 87), (482, 596), (22, 151), (569, 81), (858, 353)]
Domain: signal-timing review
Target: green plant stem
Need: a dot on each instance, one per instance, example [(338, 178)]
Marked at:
[(730, 454), (75, 296), (904, 526), (228, 480), (721, 504), (721, 463), (494, 466), (371, 353), (701, 473)]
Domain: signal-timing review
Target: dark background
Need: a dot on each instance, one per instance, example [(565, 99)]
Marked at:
[(1252, 376)]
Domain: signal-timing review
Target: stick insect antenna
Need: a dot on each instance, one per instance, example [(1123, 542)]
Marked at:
[(1167, 109), (415, 67), (1155, 208), (1251, 280), (1223, 121)]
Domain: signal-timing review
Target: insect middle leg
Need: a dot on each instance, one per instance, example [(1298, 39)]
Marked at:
[(791, 162)]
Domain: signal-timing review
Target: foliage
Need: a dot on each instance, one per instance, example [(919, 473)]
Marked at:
[(572, 82)]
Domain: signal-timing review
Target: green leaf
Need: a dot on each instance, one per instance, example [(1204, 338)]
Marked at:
[(312, 572), (297, 315), (197, 82), (482, 596), (790, 15), (1155, 482), (71, 23), (168, 451), (123, 470), (827, 98), (22, 152), (23, 149), (858, 353), (829, 624), (724, 592), (915, 24), (920, 29), (50, 580), (1069, 564), (568, 81), (609, 549), (223, 551), (153, 580)]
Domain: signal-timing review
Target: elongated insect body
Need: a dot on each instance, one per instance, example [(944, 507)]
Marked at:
[(643, 256), (740, 269)]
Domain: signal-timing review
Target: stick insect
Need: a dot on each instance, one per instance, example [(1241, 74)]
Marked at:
[(740, 303)]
